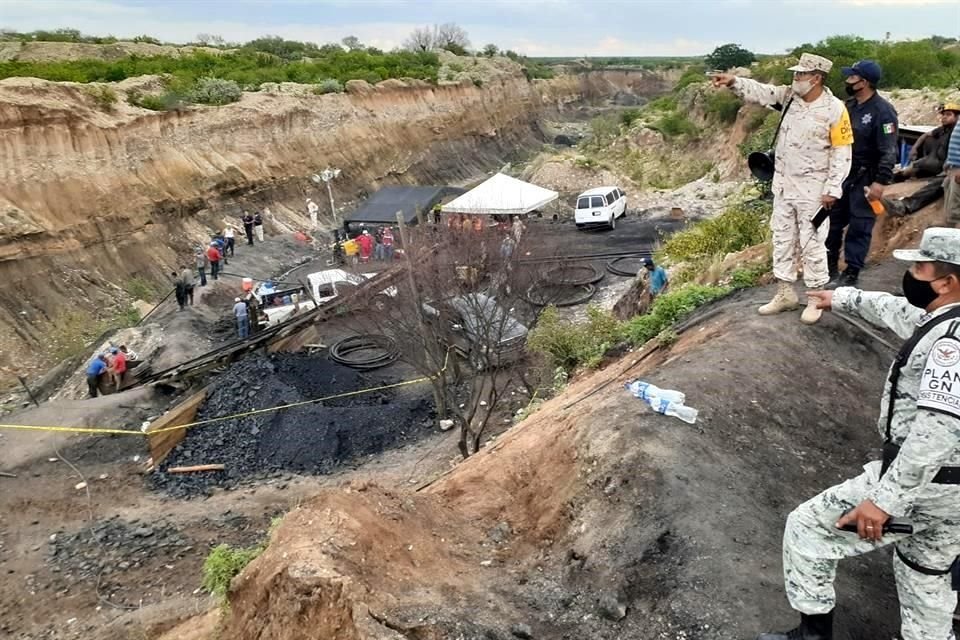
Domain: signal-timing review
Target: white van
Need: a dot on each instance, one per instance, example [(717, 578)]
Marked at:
[(600, 207)]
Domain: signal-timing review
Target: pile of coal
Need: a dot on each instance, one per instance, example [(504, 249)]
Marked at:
[(314, 438)]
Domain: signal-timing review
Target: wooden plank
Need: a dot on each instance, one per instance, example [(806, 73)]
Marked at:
[(197, 467), (162, 444)]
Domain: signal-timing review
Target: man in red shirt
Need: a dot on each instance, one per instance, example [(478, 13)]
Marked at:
[(118, 366), (366, 245), (213, 255)]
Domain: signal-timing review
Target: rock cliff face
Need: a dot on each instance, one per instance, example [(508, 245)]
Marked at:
[(92, 197)]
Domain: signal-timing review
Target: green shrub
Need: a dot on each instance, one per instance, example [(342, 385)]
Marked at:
[(663, 103), (673, 124), (746, 277), (223, 563), (140, 288), (104, 97), (215, 91), (692, 75), (603, 131), (629, 116), (722, 105), (478, 82), (760, 138), (567, 345), (670, 308), (167, 101), (328, 86), (737, 228), (455, 67), (246, 67)]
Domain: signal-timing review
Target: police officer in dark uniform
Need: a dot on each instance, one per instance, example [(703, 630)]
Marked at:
[(874, 123)]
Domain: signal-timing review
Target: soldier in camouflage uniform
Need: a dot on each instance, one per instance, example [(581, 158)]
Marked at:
[(919, 478), (812, 160)]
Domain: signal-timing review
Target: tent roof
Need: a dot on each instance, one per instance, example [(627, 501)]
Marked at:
[(501, 195), (383, 205)]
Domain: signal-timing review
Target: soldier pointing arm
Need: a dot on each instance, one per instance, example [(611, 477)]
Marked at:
[(919, 476), (812, 159)]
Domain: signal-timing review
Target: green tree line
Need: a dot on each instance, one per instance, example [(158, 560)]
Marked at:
[(247, 67), (931, 62)]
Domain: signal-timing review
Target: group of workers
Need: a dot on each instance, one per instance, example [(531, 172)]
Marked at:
[(222, 246), (839, 157), (113, 363), (379, 245)]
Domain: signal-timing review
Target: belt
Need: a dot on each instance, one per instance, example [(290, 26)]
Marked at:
[(946, 475)]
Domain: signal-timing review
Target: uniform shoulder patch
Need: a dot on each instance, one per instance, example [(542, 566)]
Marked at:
[(889, 128), (940, 383), (841, 133)]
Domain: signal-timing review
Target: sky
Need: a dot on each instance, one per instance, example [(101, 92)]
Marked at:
[(530, 27)]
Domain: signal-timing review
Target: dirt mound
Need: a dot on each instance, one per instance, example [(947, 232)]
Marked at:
[(313, 438), (595, 518)]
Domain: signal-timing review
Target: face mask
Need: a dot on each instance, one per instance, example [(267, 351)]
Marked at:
[(801, 87), (849, 88), (919, 293)]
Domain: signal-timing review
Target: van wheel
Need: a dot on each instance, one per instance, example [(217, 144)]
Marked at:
[(613, 222)]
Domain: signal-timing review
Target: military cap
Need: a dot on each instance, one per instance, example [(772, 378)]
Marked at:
[(812, 62), (938, 244)]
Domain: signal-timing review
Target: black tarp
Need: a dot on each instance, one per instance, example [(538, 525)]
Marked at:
[(382, 206)]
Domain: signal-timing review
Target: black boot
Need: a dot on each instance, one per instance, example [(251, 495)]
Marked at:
[(848, 278), (812, 627), (834, 270)]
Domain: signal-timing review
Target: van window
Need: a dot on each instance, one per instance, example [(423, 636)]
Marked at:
[(596, 201), (618, 192), (611, 197), (583, 203)]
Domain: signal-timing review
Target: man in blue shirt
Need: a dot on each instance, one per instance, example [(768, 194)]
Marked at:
[(951, 185), (94, 370), (241, 313), (658, 278)]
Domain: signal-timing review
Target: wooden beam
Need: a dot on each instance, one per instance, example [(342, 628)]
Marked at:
[(197, 467), (161, 444)]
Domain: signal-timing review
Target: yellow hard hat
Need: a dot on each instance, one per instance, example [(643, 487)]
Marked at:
[(951, 106)]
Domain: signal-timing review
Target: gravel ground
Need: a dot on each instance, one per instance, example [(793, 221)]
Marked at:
[(312, 439)]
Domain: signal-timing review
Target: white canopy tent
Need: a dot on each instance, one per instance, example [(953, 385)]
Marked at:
[(501, 195)]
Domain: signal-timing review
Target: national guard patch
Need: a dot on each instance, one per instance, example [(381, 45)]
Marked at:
[(889, 127), (940, 384)]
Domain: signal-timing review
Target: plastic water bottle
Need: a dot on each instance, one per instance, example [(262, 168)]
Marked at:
[(667, 408), (646, 391)]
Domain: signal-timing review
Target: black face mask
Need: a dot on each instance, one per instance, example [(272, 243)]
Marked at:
[(849, 88), (919, 293)]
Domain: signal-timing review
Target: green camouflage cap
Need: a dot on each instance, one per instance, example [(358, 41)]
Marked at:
[(939, 244)]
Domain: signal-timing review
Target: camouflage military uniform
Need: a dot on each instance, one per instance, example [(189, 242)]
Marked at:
[(812, 160), (926, 424)]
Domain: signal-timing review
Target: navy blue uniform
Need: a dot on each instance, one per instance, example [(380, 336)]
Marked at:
[(874, 155)]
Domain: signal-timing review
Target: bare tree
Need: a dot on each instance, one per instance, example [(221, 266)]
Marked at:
[(452, 37), (449, 36), (352, 43), (420, 39), (209, 39), (456, 320)]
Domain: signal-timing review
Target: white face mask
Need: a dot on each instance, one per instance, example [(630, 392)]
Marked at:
[(801, 87)]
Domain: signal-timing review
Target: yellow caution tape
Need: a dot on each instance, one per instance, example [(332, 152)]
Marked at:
[(124, 432)]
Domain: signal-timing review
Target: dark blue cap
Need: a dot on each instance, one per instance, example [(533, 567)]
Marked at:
[(648, 262), (866, 69)]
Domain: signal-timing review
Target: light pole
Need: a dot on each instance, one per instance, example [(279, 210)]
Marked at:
[(327, 176)]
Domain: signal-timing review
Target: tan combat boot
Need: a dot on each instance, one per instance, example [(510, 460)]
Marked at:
[(811, 314), (785, 300)]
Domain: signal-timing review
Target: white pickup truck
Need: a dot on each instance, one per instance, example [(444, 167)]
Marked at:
[(325, 286)]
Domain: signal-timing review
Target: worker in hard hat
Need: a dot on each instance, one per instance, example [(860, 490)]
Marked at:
[(928, 157)]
